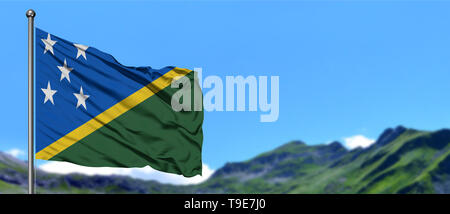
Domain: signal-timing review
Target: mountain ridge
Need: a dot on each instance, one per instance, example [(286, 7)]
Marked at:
[(402, 160)]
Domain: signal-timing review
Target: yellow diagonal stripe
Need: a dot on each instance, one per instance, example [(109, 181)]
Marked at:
[(110, 114)]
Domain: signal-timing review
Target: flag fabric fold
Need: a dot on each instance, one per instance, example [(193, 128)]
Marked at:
[(93, 111)]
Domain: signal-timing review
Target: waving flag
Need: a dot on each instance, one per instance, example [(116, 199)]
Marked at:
[(93, 111)]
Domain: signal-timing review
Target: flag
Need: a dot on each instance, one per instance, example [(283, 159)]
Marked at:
[(93, 111)]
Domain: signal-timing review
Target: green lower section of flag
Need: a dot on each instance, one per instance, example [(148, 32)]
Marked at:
[(151, 133)]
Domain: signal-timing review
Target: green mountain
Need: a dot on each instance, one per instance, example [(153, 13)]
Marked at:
[(14, 175), (400, 161)]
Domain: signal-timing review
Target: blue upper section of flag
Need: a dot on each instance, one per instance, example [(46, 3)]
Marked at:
[(64, 68)]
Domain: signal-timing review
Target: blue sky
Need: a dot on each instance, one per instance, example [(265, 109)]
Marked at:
[(346, 68)]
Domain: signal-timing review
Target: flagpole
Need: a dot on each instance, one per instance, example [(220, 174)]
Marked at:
[(31, 174)]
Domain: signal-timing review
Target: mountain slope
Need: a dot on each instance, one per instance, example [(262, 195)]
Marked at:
[(13, 179), (400, 161)]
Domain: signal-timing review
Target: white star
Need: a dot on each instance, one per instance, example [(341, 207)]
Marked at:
[(48, 44), (81, 98), (65, 71), (48, 93), (81, 50)]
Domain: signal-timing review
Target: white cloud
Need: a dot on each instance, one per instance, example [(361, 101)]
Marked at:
[(358, 141), (145, 173), (15, 152)]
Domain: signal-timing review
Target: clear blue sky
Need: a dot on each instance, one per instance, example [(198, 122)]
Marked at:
[(346, 68)]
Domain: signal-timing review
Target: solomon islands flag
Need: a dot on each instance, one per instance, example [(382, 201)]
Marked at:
[(93, 111)]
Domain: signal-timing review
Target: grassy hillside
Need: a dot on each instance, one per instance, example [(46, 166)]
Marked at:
[(400, 161)]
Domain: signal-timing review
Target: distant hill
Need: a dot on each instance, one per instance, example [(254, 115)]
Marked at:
[(400, 161), (14, 175)]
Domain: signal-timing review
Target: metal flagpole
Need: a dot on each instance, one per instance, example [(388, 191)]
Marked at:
[(31, 175)]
